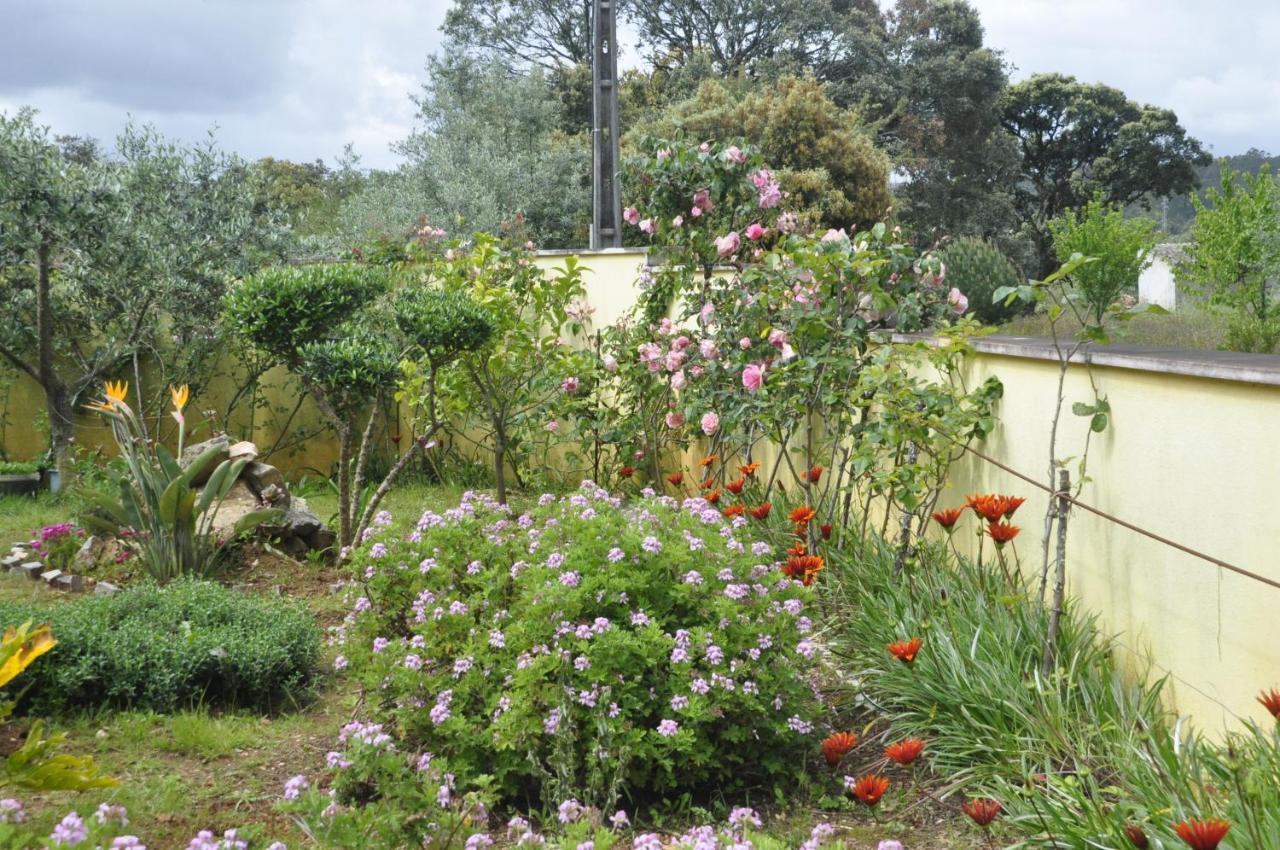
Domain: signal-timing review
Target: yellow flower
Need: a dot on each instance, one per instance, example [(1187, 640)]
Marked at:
[(116, 392), (20, 647), (180, 396)]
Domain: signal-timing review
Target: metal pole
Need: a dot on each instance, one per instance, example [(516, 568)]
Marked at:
[(606, 194)]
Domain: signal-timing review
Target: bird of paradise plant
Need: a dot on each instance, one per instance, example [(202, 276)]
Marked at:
[(35, 765), (173, 520)]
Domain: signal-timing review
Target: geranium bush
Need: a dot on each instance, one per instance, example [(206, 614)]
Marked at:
[(589, 650)]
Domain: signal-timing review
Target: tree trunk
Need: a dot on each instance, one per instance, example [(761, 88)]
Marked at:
[(345, 531), (500, 462), (57, 398), (1060, 578)]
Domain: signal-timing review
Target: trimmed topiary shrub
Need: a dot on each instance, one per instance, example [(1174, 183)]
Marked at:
[(585, 648), (978, 269), (189, 643)]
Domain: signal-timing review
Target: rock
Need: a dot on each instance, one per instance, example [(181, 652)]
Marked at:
[(50, 576), (243, 450), (266, 482), (321, 540), (32, 569), (87, 556), (190, 453), (239, 503), (12, 562), (105, 587), (70, 583)]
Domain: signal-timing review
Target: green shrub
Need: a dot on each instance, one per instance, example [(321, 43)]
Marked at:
[(586, 648), (11, 467), (978, 269), (190, 643), (1121, 248)]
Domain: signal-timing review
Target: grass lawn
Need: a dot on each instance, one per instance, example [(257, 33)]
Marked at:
[(1191, 327)]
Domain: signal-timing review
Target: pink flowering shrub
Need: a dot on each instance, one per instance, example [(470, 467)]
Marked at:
[(586, 649)]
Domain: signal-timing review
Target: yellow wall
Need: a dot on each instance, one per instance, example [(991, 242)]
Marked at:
[(1195, 459)]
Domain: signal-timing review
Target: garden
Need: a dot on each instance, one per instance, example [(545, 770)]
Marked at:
[(687, 579)]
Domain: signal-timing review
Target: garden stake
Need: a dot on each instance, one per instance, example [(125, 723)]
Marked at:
[(904, 536), (1060, 579)]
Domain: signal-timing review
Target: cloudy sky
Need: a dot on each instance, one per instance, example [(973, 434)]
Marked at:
[(299, 78)]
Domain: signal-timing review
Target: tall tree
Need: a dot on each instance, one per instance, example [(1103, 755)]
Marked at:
[(1077, 140), (548, 33)]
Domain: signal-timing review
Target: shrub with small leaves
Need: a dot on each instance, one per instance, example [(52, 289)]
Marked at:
[(978, 269)]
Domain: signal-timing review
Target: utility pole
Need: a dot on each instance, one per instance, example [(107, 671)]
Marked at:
[(606, 193)]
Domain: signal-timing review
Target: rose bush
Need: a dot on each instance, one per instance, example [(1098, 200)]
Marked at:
[(589, 650)]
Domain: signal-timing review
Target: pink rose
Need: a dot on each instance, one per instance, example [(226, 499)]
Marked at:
[(958, 301), (610, 363), (647, 226), (678, 221), (674, 419), (834, 235), (708, 349), (705, 147), (695, 212), (677, 379), (569, 384), (696, 371), (675, 359), (729, 243), (702, 200), (649, 352), (710, 423), (744, 343), (631, 215), (753, 376), (734, 154), (754, 231), (777, 337), (552, 426), (666, 327), (681, 343)]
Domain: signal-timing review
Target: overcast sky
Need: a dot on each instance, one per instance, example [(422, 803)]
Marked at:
[(299, 78)]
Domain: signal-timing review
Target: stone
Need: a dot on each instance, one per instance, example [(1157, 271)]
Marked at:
[(190, 453), (50, 576), (32, 569), (105, 587), (239, 503), (87, 556), (243, 450), (11, 562), (70, 583), (266, 482)]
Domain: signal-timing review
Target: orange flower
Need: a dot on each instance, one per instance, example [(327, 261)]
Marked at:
[(803, 567), (713, 496), (708, 482), (837, 745), (982, 810), (1136, 836), (906, 650), (825, 528), (708, 460), (1002, 532), (948, 518), (798, 549), (1011, 504), (906, 751), (802, 515), (869, 788), (750, 468), (735, 487), (761, 511), (733, 511), (812, 474), (994, 508), (1202, 834), (675, 479), (627, 471), (1271, 701)]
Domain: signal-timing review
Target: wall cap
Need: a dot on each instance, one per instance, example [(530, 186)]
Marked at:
[(1212, 365)]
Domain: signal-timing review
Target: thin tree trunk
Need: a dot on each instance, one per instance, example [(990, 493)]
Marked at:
[(904, 532), (1060, 578), (57, 397), (346, 534), (500, 462)]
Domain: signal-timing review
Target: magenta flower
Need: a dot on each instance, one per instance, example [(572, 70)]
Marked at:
[(710, 423), (754, 231), (753, 376), (570, 384), (729, 243)]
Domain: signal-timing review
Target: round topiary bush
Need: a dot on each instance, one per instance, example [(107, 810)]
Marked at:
[(587, 647), (978, 269)]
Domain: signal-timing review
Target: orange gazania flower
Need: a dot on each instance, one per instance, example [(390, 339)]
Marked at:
[(837, 745), (675, 479), (1002, 532), (948, 518), (804, 568), (713, 496), (990, 507), (1136, 836), (799, 549), (733, 511), (750, 468), (627, 471), (906, 650), (869, 788), (982, 810), (1011, 504), (708, 460), (906, 751), (802, 515), (735, 487), (1202, 834), (708, 482), (761, 511), (1271, 701), (825, 528), (812, 474)]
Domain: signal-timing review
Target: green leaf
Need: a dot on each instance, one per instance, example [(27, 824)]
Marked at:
[(1099, 423), (1082, 409)]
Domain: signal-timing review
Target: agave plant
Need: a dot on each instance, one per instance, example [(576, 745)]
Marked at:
[(172, 521)]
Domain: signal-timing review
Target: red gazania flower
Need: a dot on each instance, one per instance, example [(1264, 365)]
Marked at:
[(1202, 834), (825, 528), (990, 507), (948, 518), (837, 745), (869, 788), (1271, 701), (675, 479), (708, 482), (803, 568), (750, 468), (713, 496), (798, 549), (761, 511), (802, 515), (627, 471), (733, 511), (906, 751), (708, 460), (1011, 504), (906, 650), (735, 487), (982, 810), (812, 474), (1002, 532), (1136, 836)]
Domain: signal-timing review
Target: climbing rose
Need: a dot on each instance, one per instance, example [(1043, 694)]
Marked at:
[(570, 384), (729, 243), (710, 423), (753, 376), (631, 215), (958, 301), (754, 231), (610, 363), (647, 226), (674, 419), (733, 153)]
